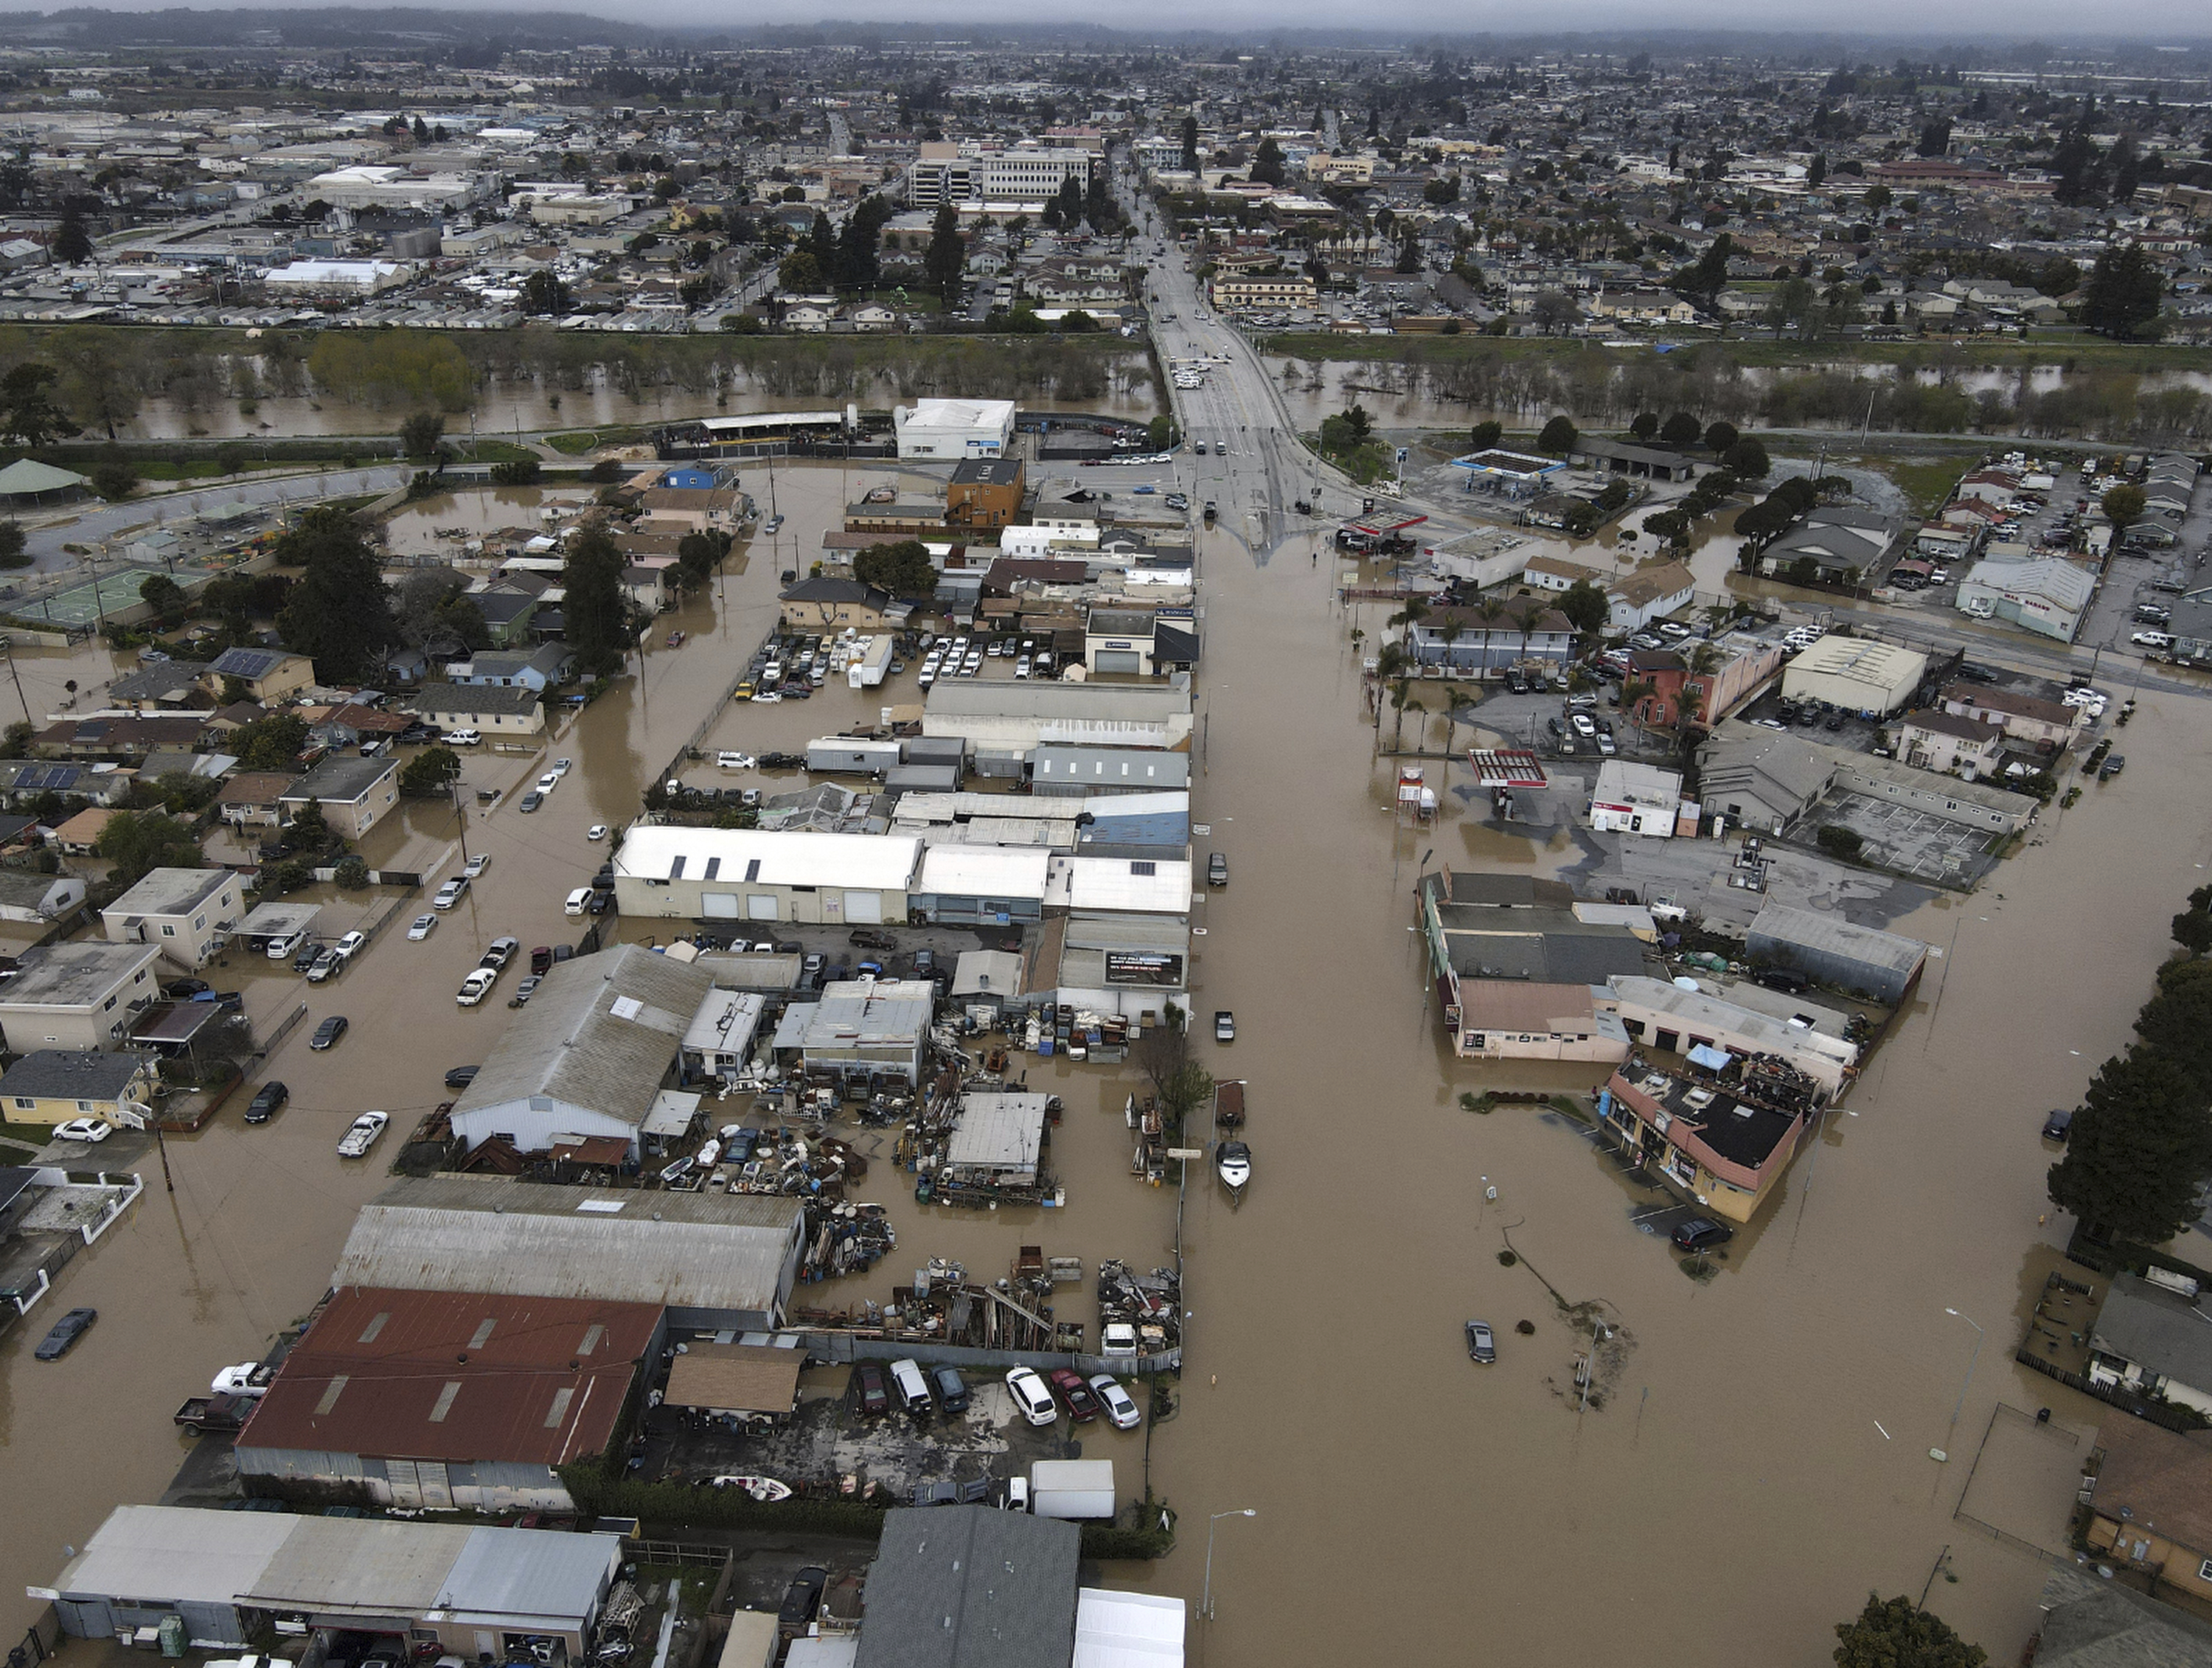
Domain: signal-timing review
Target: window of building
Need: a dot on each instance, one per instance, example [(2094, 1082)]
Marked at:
[(169, 932), (25, 1104), (84, 1105)]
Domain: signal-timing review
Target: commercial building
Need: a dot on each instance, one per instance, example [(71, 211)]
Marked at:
[(482, 1592), (444, 1399), (715, 1261), (720, 1040), (585, 1058), (984, 492), (1724, 1132), (986, 885), (337, 280), (1519, 931), (829, 604), (1133, 965), (1856, 674), (1528, 1019), (964, 1586), (1639, 798), (352, 792), (78, 995), (998, 1138), (2046, 594), (869, 1029), (765, 875), (1662, 1014), (1462, 640), (1737, 669), (48, 1086), (1760, 778), (1288, 289), (954, 428), (1064, 772), (1004, 722), (1833, 951), (186, 913), (946, 173)]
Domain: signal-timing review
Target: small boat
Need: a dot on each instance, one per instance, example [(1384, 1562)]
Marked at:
[(676, 640), (1229, 1103), (1234, 1163), (762, 1489)]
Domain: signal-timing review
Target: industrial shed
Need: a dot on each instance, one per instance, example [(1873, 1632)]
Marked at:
[(741, 1380), (1062, 772), (1835, 951), (449, 1398), (765, 875), (716, 1260), (1857, 675), (999, 1137), (586, 1054)]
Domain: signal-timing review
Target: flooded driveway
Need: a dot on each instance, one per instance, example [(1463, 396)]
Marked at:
[(1754, 1456)]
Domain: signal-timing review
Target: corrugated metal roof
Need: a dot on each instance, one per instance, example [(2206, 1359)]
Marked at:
[(476, 1234), (1833, 934), (1008, 872), (998, 1132), (455, 1376), (1156, 884), (786, 857), (367, 1566), (183, 1554), (580, 1042), (529, 1575)]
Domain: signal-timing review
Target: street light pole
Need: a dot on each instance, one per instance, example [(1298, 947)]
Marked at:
[(1205, 1605), (1970, 1360)]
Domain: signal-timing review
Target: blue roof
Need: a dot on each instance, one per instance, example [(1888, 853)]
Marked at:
[(1166, 828)]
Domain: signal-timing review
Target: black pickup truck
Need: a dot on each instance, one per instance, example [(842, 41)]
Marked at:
[(222, 1412)]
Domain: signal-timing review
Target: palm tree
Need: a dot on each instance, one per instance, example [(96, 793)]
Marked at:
[(1453, 696), (1492, 609), (1633, 693), (1401, 702)]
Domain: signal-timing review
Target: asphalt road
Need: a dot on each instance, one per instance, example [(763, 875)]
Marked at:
[(93, 524)]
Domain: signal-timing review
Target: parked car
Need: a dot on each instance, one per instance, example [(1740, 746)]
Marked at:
[(1702, 1233), (325, 967), (952, 1391), (1481, 1346), (267, 1101), (1217, 869), (461, 1076), (530, 802), (804, 1596), (1121, 1407), (477, 986), (868, 938), (1224, 1026), (421, 926), (596, 832), (350, 946), (451, 893), (869, 1387), (2058, 1125), (304, 959), (526, 989), (1082, 1405), (90, 1129), (1788, 980), (361, 1134), (1030, 1395), (476, 866), (62, 1337), (183, 990), (502, 950), (548, 782), (328, 1033), (562, 766)]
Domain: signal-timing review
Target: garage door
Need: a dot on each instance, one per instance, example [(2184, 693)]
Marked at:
[(719, 905), (864, 906), (760, 906), (1121, 660)]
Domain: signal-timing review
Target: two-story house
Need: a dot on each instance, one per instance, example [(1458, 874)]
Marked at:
[(185, 913)]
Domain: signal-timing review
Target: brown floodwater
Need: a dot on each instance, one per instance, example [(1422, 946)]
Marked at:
[(1734, 1495)]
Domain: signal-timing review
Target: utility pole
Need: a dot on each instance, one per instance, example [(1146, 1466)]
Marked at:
[(461, 815), (8, 647)]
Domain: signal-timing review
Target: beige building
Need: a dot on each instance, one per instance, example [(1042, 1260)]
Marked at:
[(1857, 675), (766, 875), (186, 913), (1951, 743), (82, 995)]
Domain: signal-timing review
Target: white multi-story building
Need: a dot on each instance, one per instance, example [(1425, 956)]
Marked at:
[(948, 173)]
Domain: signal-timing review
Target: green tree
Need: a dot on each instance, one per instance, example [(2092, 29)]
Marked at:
[(2192, 931), (164, 596), (2122, 298), (1559, 437), (543, 292), (273, 743), (309, 827), (113, 478), (947, 253), (1720, 437), (2124, 505), (1188, 134), (12, 542), (339, 614), (903, 569), (596, 606), (95, 384), (1748, 460), (698, 554), (1267, 165), (1895, 1633), (1487, 434), (2138, 1147), (135, 842), (431, 773), (1644, 425), (30, 414), (421, 434), (1680, 430), (1586, 606), (72, 244), (517, 472)]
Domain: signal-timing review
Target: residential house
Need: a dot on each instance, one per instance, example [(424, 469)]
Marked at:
[(515, 712), (1844, 546), (510, 606), (1648, 594), (2087, 1621), (1462, 640), (78, 995), (49, 1086), (2154, 1342), (253, 799), (538, 668), (186, 913), (2150, 1504), (25, 895), (161, 686), (124, 740), (831, 604), (270, 675), (1950, 742), (80, 836), (2046, 726), (352, 791)]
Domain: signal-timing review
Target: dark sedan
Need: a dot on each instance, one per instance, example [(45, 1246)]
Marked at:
[(329, 1031), (1702, 1233), (802, 1598), (461, 1076), (66, 1331), (265, 1102)]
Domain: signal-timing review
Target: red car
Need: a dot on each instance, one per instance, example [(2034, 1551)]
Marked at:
[(868, 1381), (1082, 1401)]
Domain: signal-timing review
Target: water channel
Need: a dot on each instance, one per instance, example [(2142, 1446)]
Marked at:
[(1760, 1456)]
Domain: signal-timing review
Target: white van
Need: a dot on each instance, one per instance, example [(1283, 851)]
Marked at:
[(577, 899), (912, 1388), (281, 949)]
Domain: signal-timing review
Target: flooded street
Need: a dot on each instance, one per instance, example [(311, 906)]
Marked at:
[(1730, 1498)]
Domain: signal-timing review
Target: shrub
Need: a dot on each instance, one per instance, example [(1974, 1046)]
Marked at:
[(1506, 1259), (521, 471), (352, 874), (1838, 841)]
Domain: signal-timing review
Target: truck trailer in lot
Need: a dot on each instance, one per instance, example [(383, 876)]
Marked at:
[(1072, 1489), (866, 668)]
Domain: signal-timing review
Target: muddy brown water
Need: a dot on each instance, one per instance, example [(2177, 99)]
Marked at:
[(1741, 1421)]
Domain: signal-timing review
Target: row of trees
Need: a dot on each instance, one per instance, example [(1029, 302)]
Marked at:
[(2141, 1140)]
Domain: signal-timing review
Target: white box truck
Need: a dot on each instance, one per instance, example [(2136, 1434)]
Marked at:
[(867, 667), (1072, 1489)]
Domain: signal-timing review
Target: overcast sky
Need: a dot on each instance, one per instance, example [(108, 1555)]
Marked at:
[(1974, 22)]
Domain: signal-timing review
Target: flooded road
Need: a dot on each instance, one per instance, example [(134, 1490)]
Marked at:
[(1734, 1469)]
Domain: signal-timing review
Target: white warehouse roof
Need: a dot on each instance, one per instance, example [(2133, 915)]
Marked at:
[(1148, 885), (975, 871), (884, 862)]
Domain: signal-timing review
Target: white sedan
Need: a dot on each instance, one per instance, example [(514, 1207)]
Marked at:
[(476, 865), (596, 832), (422, 926), (1120, 1407), (548, 782), (1031, 1397), (83, 1129)]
